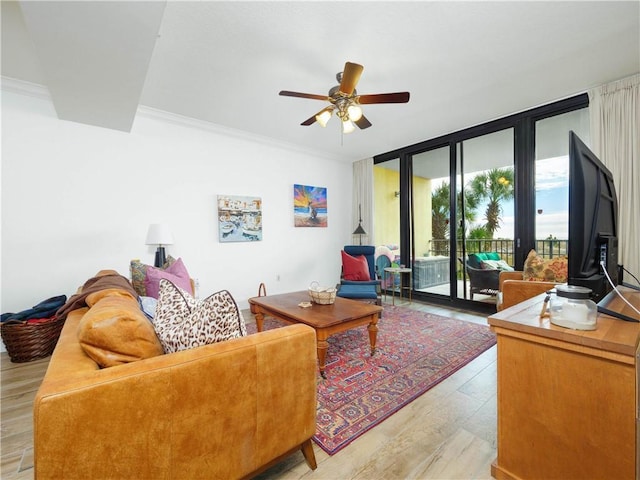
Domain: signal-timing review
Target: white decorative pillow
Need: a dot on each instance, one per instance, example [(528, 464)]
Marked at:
[(183, 322), (496, 265)]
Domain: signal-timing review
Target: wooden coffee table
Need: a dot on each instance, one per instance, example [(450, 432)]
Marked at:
[(326, 320)]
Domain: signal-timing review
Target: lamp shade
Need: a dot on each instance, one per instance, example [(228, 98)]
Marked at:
[(159, 234), (324, 117), (347, 126), (359, 231)]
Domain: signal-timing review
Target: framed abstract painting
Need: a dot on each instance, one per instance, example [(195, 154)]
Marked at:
[(309, 206)]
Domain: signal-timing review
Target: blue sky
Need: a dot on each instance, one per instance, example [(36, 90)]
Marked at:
[(552, 197)]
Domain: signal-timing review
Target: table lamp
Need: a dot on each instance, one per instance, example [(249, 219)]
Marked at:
[(160, 235)]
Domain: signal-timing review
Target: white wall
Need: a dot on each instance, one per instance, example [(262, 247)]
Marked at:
[(78, 198)]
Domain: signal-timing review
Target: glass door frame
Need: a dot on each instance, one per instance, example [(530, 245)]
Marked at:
[(523, 125)]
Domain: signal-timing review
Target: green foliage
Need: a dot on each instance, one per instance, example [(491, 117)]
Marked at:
[(441, 214), (495, 186), (478, 233)]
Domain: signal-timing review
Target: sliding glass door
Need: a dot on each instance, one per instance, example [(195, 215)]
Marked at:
[(485, 213), (459, 207), (430, 216)]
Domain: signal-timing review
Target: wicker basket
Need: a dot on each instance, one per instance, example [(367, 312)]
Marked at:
[(29, 341), (262, 292), (322, 295)]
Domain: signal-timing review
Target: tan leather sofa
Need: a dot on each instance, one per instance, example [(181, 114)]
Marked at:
[(512, 289), (227, 410)]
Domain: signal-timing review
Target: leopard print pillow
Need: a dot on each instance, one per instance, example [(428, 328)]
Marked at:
[(183, 322)]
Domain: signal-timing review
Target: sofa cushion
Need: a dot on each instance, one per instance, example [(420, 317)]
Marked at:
[(183, 322), (139, 274), (92, 298), (176, 273), (355, 268), (115, 331), (538, 269)]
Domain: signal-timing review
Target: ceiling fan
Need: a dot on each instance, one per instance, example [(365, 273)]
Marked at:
[(345, 101)]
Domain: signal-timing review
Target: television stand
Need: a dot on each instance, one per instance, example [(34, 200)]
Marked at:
[(628, 285), (613, 306), (566, 398)]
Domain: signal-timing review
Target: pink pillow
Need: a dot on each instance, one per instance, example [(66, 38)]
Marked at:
[(355, 268), (175, 273)]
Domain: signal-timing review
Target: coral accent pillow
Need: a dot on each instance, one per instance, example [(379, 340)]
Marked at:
[(115, 331), (537, 269), (355, 268), (176, 273), (183, 322)]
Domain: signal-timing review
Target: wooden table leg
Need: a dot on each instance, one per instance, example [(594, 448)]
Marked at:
[(373, 333), (322, 346), (259, 320)]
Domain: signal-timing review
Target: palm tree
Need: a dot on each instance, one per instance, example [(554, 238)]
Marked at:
[(440, 212), (495, 186)]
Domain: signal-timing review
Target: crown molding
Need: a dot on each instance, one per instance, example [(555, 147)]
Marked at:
[(22, 87), (162, 115)]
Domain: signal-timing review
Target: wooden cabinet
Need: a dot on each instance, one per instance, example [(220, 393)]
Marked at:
[(566, 398)]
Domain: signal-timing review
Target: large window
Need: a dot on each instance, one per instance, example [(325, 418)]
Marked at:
[(498, 188), (552, 179)]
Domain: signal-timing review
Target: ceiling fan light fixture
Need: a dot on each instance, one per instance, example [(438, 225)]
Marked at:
[(345, 101), (355, 112), (347, 126), (323, 118)]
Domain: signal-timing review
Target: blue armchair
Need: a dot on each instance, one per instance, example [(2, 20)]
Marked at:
[(367, 290)]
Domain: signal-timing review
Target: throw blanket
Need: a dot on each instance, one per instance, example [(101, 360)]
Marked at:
[(43, 310), (95, 284)]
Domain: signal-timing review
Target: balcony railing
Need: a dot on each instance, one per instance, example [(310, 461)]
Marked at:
[(504, 247)]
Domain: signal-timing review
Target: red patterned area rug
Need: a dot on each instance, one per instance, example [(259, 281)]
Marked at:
[(415, 351)]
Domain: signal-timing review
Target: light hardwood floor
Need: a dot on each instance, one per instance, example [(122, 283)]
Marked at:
[(447, 433)]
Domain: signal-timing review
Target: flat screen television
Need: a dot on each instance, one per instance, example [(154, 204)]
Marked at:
[(593, 221)]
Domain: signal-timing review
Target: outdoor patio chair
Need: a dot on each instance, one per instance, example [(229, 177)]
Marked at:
[(481, 281)]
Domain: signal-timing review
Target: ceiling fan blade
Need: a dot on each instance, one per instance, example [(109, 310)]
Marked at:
[(312, 96), (309, 121), (398, 97), (363, 123), (312, 120), (350, 76)]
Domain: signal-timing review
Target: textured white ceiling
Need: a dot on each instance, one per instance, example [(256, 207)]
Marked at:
[(225, 62)]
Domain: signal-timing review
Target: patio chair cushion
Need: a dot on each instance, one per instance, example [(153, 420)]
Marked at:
[(474, 259), (495, 265)]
